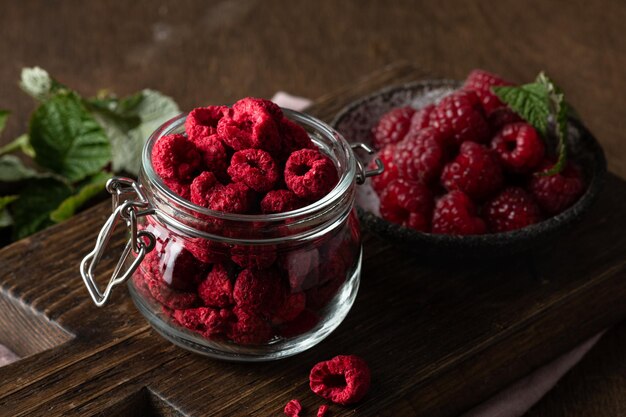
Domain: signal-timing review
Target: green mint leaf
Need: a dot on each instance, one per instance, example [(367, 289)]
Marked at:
[(127, 142), (560, 110), (31, 212), (91, 188), (67, 139), (12, 169), (530, 101), (4, 115), (37, 83), (21, 143)]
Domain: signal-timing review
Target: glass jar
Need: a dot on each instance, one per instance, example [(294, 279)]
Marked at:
[(238, 287)]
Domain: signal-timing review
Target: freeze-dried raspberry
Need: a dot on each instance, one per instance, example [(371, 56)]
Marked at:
[(390, 173), (421, 118), (180, 188), (420, 157), (407, 203), (203, 187), (255, 168), (169, 297), (306, 321), (476, 171), (481, 83), (293, 408), (217, 289), (519, 147), (253, 256), (332, 275), (208, 322), (392, 126), (321, 412), (207, 251), (174, 266), (301, 267), (258, 291), (250, 126), (175, 157), (501, 117), (252, 105), (512, 209), (280, 201), (214, 156), (292, 306), (293, 137), (249, 328), (310, 174), (345, 379), (235, 197), (460, 117), (456, 214), (201, 122), (557, 192)]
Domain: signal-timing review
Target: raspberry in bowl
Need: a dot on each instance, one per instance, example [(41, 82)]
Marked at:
[(245, 243), (465, 175)]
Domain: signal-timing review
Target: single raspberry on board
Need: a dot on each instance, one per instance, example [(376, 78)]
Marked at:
[(557, 192), (175, 157), (476, 171), (201, 122), (250, 124), (214, 156), (460, 117), (421, 118), (203, 187), (387, 157), (456, 214), (279, 201), (481, 82), (512, 209), (407, 203), (235, 197), (258, 291), (293, 408), (519, 147), (310, 174), (344, 379), (392, 126), (209, 322), (249, 328), (255, 168), (501, 117), (420, 157), (217, 289)]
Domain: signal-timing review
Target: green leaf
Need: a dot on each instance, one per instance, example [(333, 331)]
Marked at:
[(12, 169), (530, 101), (4, 115), (6, 200), (560, 109), (5, 217), (67, 139), (37, 83), (92, 187), (127, 142), (31, 212), (21, 143)]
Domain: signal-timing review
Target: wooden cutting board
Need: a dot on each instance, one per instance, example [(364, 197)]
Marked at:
[(439, 338)]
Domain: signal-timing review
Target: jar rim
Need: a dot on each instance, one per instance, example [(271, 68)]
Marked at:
[(346, 176)]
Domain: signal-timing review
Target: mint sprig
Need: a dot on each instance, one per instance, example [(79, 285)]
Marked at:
[(539, 103), (73, 145)]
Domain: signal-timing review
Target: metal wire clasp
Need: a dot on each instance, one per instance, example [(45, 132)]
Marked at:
[(362, 172), (129, 203)]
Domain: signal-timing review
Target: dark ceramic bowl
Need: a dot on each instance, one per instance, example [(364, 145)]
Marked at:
[(355, 122)]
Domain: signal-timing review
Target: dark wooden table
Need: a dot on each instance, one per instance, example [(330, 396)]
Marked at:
[(199, 52)]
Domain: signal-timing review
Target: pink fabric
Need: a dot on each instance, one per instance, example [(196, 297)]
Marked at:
[(6, 356), (291, 102)]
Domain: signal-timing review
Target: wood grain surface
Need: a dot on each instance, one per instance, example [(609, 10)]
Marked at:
[(439, 338), (218, 51)]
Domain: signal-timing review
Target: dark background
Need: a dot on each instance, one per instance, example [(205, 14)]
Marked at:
[(203, 52)]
